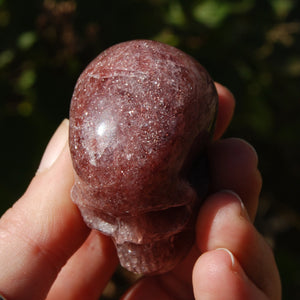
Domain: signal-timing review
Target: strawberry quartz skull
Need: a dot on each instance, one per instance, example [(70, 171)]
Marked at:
[(141, 116)]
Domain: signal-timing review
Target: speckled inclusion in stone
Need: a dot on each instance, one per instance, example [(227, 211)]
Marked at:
[(141, 113)]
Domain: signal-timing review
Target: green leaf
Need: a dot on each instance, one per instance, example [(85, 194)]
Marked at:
[(27, 79), (175, 14), (282, 7), (167, 37), (211, 13), (6, 57), (26, 40)]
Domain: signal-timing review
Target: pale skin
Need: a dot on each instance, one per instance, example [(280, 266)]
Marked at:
[(47, 252)]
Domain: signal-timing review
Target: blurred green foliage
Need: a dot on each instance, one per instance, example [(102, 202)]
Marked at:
[(251, 46)]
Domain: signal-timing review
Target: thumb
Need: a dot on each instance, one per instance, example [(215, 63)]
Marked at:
[(43, 228)]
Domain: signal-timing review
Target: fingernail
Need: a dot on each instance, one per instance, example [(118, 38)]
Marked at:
[(243, 208), (230, 255), (55, 146)]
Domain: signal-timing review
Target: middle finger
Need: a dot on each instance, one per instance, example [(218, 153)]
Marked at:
[(233, 166)]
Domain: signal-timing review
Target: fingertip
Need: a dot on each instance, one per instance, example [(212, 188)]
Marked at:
[(234, 152), (211, 263), (234, 165), (225, 96), (217, 208), (240, 147), (210, 267), (226, 107), (55, 146), (217, 274), (232, 263), (224, 223)]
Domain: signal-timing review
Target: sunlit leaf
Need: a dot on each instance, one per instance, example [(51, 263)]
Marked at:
[(211, 12), (26, 40), (27, 79), (167, 37), (175, 14), (282, 7), (6, 57)]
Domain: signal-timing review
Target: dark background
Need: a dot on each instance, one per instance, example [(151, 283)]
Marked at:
[(251, 46)]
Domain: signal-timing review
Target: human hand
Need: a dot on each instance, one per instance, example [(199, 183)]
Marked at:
[(230, 260), (46, 251)]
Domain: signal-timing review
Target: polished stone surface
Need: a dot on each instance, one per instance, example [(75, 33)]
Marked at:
[(142, 112)]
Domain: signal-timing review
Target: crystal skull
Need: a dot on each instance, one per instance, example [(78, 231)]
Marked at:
[(141, 115)]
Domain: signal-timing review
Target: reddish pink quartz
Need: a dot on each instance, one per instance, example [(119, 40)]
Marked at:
[(141, 115)]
